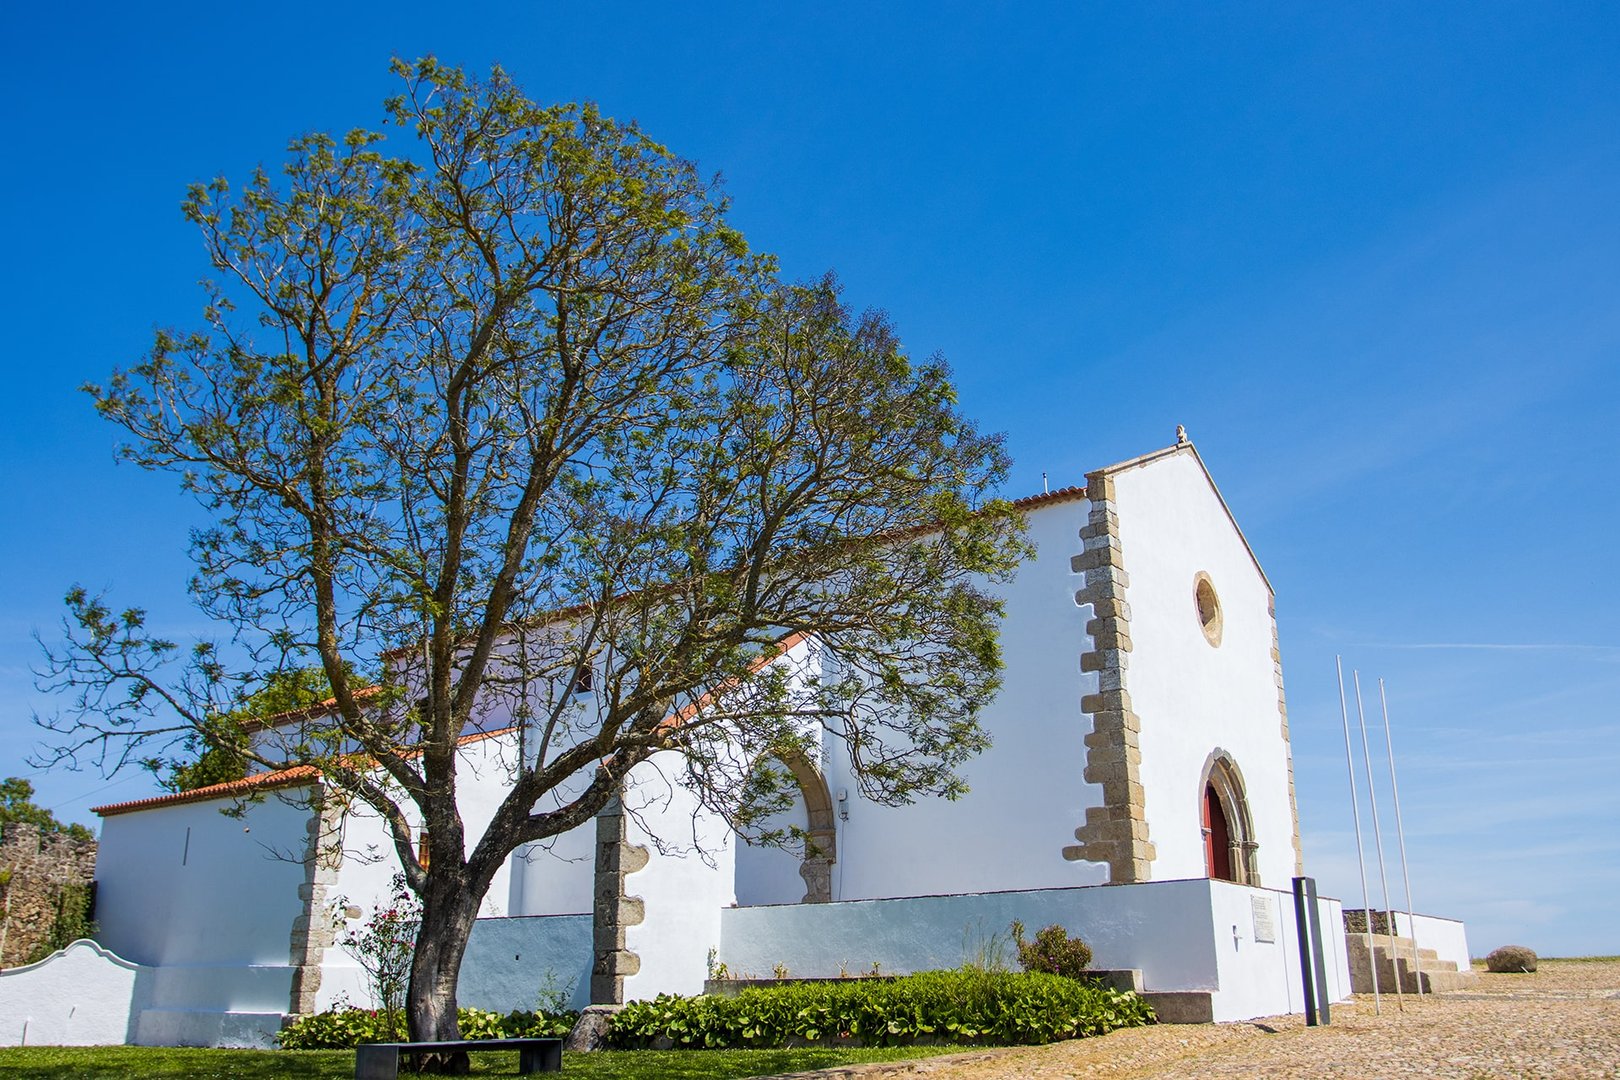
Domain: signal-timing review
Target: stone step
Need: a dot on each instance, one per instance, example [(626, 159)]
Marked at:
[(1436, 977), (1441, 982), (1182, 1006), (1392, 959), (1424, 963)]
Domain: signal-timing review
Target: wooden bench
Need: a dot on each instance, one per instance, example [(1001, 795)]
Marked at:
[(380, 1061)]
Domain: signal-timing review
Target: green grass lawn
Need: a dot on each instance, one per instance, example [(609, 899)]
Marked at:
[(160, 1063)]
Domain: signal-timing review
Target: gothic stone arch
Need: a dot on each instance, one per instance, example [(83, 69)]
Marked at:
[(1222, 777), (821, 835)]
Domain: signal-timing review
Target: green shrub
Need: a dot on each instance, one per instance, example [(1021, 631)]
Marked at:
[(1053, 951), (929, 1007), (343, 1029), (1519, 959)]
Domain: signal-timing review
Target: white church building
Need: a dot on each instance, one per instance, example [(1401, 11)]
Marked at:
[(1139, 791)]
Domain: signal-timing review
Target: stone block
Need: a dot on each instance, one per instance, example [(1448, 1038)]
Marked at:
[(1109, 634), (1112, 678), (1097, 559), (1106, 701), (1110, 608)]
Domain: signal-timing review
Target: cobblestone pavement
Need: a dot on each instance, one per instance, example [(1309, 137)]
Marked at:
[(1560, 1022)]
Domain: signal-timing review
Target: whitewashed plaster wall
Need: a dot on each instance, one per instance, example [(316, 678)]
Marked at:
[(688, 880), (555, 876), (82, 995), (208, 903), (188, 885), (1253, 974), (1027, 793), (769, 874), (1194, 698)]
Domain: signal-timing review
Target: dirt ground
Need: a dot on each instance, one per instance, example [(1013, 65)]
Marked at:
[(1560, 1022)]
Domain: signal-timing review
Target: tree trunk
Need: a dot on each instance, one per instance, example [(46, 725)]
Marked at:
[(448, 911)]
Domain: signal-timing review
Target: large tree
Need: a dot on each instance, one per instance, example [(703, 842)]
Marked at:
[(514, 408)]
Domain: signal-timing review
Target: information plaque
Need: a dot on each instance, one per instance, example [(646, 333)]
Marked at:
[(1265, 925)]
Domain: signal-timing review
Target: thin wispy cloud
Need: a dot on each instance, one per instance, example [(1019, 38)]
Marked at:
[(1535, 646)]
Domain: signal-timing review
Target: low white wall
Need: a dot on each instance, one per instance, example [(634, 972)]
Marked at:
[(510, 960), (1178, 933), (82, 995), (1447, 937)]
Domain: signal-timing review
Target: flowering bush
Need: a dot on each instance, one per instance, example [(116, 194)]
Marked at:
[(383, 946)]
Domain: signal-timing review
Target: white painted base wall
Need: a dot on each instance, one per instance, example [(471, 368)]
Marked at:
[(1195, 935)]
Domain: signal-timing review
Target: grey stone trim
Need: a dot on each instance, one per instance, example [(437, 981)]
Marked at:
[(1116, 832), (614, 910), (1288, 746), (315, 929)]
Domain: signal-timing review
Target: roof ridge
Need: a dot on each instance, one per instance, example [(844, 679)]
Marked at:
[(293, 775)]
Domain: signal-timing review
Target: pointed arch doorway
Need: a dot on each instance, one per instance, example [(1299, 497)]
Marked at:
[(1229, 843), (1217, 837)]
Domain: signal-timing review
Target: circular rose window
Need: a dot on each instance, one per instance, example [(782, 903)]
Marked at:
[(1208, 606)]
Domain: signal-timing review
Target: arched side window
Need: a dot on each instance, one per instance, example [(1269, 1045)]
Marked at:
[(762, 871), (1228, 828)]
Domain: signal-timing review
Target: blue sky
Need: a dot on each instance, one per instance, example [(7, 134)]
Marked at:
[(1370, 259)]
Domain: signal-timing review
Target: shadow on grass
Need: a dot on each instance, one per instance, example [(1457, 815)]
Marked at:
[(162, 1063)]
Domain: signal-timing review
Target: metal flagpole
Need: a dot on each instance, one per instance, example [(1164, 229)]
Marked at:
[(1378, 841), (1400, 833), (1355, 815)]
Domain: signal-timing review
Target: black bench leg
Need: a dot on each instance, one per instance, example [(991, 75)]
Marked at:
[(376, 1062), (537, 1059)]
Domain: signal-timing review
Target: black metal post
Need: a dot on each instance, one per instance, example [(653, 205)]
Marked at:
[(1312, 966), (1315, 910), (1302, 927)]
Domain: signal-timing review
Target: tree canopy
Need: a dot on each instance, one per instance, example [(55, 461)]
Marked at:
[(17, 804), (211, 755), (514, 408)]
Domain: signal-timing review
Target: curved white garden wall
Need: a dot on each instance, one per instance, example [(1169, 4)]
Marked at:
[(82, 995)]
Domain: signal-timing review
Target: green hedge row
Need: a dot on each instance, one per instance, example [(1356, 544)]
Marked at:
[(347, 1028), (930, 1007)]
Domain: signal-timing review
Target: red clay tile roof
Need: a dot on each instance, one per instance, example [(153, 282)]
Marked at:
[(293, 777), (1063, 494), (296, 776)]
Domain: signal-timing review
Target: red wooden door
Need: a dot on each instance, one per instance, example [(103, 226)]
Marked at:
[(1217, 839)]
